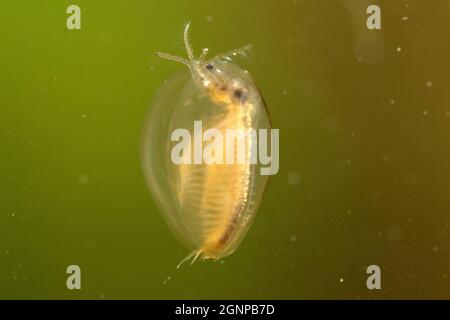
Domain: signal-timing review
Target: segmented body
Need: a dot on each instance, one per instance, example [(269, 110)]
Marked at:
[(216, 197)]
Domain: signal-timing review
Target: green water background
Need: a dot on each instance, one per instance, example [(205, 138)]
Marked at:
[(364, 118)]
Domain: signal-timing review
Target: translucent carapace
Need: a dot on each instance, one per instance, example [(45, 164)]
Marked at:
[(208, 206)]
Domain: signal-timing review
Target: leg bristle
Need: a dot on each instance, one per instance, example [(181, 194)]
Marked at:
[(194, 254)]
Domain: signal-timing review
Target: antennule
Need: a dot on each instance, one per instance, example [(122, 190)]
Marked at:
[(173, 58), (189, 50)]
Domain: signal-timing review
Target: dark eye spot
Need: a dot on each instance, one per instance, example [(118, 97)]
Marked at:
[(209, 66), (238, 93)]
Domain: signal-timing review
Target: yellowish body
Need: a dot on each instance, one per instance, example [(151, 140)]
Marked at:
[(214, 195)]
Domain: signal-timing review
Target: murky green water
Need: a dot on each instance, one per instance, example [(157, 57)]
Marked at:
[(364, 119)]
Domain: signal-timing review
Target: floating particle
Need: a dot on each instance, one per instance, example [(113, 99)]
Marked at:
[(395, 233), (293, 178), (83, 178)]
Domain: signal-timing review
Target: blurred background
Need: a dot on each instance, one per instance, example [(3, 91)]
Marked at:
[(364, 119)]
